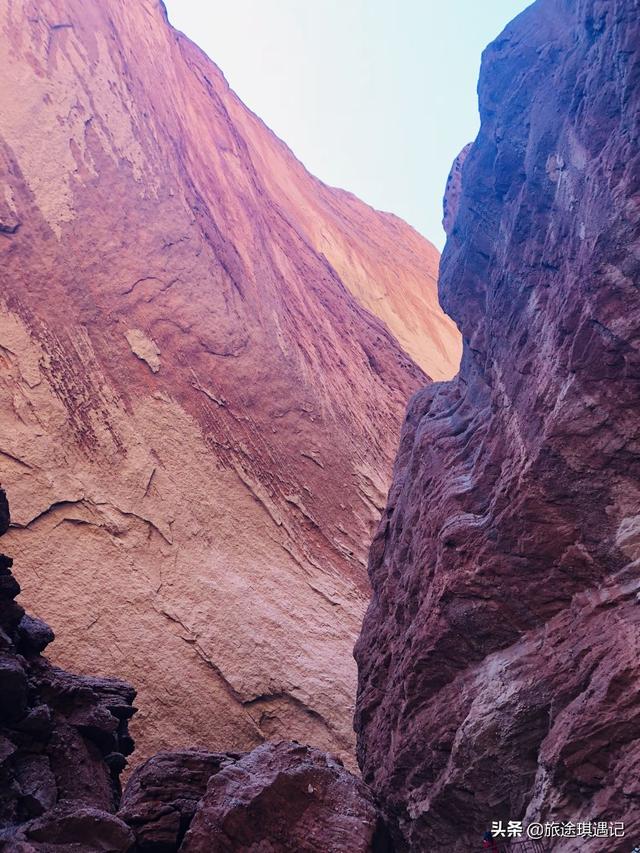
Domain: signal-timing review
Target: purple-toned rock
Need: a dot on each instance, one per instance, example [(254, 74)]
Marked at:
[(78, 830), (5, 518), (13, 689), (34, 635), (287, 798), (451, 200), (162, 794), (498, 669)]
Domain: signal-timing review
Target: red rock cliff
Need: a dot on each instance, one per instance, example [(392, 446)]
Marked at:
[(198, 410), (499, 675)]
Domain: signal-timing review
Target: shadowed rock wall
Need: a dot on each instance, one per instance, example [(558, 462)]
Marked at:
[(499, 673)]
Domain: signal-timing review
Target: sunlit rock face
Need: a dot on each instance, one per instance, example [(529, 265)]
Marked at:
[(64, 742), (499, 673), (201, 384)]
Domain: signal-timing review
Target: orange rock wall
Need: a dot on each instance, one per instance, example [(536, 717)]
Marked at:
[(200, 386)]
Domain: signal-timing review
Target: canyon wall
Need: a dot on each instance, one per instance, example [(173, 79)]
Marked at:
[(499, 674), (63, 740), (201, 383)]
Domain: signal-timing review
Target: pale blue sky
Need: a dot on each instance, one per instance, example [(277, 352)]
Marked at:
[(375, 96)]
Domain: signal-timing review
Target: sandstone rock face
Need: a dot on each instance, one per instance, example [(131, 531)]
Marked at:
[(499, 675), (63, 741), (63, 744), (200, 392)]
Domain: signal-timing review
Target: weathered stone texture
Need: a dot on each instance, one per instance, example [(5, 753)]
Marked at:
[(499, 674), (63, 741), (202, 380), (288, 798)]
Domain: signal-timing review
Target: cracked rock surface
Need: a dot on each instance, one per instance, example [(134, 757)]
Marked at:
[(499, 674), (163, 793), (205, 356), (63, 741), (280, 797), (63, 745)]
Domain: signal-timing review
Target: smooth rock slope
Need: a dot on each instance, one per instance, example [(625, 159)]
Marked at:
[(200, 387), (499, 675)]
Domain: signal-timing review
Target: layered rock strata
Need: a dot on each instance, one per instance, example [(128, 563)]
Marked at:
[(63, 740), (200, 387), (163, 794), (499, 675)]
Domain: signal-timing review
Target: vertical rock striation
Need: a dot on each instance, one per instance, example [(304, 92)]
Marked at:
[(499, 674), (63, 739), (201, 380)]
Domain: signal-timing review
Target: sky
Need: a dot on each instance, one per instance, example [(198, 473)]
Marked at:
[(373, 96)]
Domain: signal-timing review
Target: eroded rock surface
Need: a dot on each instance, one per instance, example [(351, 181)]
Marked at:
[(453, 188), (499, 667), (63, 745), (200, 387), (162, 795), (63, 740), (280, 797), (288, 798)]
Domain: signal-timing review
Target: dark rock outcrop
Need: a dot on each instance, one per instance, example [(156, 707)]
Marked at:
[(5, 517), (279, 797), (63, 740), (499, 674), (288, 798), (162, 795)]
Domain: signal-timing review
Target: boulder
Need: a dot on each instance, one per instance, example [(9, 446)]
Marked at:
[(163, 793), (287, 798)]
